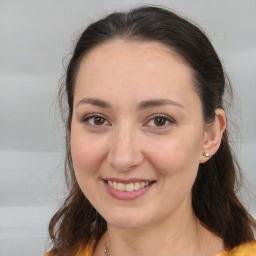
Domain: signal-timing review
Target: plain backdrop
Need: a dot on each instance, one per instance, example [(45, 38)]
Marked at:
[(35, 36)]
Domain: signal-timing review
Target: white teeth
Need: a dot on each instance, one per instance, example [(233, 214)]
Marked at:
[(136, 185), (127, 187), (121, 186), (114, 185)]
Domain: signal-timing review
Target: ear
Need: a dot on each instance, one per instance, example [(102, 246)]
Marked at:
[(213, 134)]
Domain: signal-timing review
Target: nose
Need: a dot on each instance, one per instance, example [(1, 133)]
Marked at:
[(125, 153)]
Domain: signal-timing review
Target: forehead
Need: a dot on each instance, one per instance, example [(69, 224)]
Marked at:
[(142, 69), (135, 51)]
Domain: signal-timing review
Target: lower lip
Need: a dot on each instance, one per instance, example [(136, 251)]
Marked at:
[(125, 195)]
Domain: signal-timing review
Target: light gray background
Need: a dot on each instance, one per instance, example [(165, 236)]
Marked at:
[(34, 37)]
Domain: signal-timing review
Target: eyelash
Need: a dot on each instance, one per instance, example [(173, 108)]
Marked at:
[(152, 118), (89, 117), (164, 117)]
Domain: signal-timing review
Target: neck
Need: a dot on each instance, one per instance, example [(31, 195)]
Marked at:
[(175, 235)]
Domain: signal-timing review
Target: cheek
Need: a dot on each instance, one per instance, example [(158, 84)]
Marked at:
[(87, 153), (175, 156)]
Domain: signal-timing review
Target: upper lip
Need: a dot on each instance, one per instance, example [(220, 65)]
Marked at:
[(127, 181)]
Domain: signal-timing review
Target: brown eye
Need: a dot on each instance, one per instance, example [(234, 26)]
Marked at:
[(99, 120), (159, 121), (95, 120)]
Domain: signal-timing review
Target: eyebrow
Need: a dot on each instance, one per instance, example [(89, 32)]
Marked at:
[(95, 102), (157, 103), (142, 105)]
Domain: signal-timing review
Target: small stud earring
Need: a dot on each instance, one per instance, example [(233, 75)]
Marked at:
[(206, 154)]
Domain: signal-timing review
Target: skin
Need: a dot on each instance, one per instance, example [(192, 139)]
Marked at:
[(127, 142)]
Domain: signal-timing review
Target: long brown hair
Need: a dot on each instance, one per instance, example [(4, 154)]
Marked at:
[(214, 198)]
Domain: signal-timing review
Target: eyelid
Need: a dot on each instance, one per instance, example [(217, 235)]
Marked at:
[(86, 118), (168, 118)]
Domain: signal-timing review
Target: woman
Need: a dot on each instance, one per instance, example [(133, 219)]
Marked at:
[(151, 169)]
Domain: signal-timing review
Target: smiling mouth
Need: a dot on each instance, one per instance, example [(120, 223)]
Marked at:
[(133, 186)]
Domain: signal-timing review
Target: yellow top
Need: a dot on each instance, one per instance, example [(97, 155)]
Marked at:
[(88, 251), (248, 249)]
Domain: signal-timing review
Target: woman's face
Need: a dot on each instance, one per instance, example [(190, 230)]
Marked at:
[(137, 132)]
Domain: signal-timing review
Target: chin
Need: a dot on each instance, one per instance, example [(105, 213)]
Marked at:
[(127, 221), (127, 224)]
